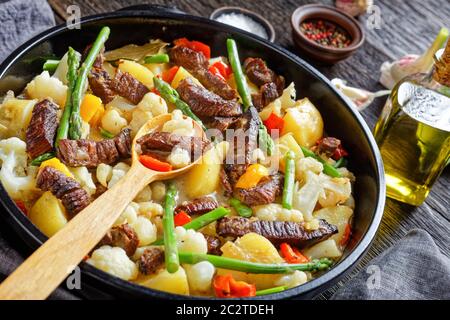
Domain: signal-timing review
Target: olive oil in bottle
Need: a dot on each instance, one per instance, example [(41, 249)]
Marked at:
[(413, 132)]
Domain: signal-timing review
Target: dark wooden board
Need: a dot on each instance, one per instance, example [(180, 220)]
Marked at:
[(407, 26)]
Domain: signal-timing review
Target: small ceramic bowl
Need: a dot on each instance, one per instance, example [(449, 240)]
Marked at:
[(253, 15), (320, 52)]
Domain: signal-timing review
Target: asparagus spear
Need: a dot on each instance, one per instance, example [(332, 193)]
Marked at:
[(270, 290), (254, 267), (157, 58), (241, 208), (50, 65), (80, 84), (241, 82), (45, 156), (289, 180), (170, 241), (172, 96), (327, 168), (72, 62), (265, 140), (201, 221)]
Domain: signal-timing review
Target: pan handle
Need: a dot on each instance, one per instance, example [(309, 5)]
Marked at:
[(157, 8)]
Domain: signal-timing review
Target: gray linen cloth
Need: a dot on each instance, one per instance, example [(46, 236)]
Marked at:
[(413, 269)]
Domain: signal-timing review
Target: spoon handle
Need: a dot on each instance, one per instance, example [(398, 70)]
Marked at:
[(46, 268)]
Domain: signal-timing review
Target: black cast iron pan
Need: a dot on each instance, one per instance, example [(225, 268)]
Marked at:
[(143, 23)]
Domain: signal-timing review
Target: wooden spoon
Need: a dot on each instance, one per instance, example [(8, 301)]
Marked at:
[(48, 266)]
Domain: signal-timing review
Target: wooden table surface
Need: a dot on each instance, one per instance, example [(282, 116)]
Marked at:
[(408, 26)]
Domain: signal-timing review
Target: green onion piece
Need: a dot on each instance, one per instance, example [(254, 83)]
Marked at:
[(254, 267), (50, 65), (170, 241), (106, 134), (201, 221), (171, 95), (80, 84), (270, 290), (241, 81), (157, 58), (289, 180), (241, 208), (73, 63), (43, 157), (327, 168)]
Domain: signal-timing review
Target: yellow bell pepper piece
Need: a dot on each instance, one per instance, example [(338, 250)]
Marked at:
[(252, 176), (56, 164), (90, 106)]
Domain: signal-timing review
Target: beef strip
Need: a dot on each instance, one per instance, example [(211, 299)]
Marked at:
[(267, 93), (128, 87), (122, 236), (197, 64), (158, 141), (68, 190), (99, 60), (277, 232), (219, 123), (264, 192), (328, 146), (205, 103), (101, 84), (198, 206), (225, 182), (214, 245), (41, 131), (89, 153), (243, 142), (151, 260), (270, 85)]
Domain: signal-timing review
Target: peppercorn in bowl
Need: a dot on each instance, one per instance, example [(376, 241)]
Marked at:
[(222, 209)]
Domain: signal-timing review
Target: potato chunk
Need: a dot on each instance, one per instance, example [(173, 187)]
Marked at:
[(48, 214)]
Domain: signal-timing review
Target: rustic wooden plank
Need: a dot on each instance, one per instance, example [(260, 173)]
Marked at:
[(400, 33)]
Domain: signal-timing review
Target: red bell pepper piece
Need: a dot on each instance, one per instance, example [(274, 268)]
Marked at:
[(339, 153), (168, 75), (216, 72), (274, 122), (181, 218), (21, 205), (154, 164), (346, 235), (221, 69), (292, 255), (194, 45), (155, 91), (226, 287)]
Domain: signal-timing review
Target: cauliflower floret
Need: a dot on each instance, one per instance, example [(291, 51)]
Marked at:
[(337, 191), (14, 175), (113, 122), (273, 107), (144, 195), (292, 280), (154, 104), (190, 241), (138, 119), (145, 230), (43, 86), (200, 276), (179, 158), (84, 177), (150, 209), (303, 165), (179, 125), (104, 174), (276, 212), (115, 261), (129, 215), (306, 197), (158, 191), (118, 172)]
